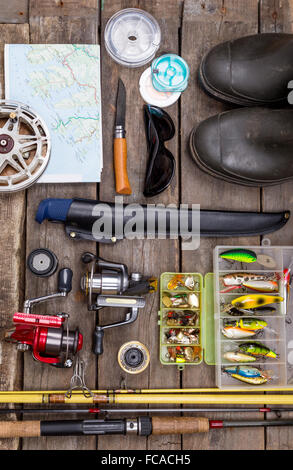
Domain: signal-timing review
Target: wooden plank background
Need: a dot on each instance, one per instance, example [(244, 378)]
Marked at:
[(189, 28)]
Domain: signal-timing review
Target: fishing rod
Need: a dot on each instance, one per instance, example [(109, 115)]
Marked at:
[(148, 399), (154, 390), (140, 426), (107, 411)]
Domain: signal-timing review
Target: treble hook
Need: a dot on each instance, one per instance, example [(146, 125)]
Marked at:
[(77, 381)]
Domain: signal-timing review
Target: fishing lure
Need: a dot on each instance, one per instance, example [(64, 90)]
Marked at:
[(181, 301), (251, 380), (189, 283), (239, 254), (255, 300), (262, 286), (237, 279), (180, 281), (287, 279), (181, 354), (236, 356), (258, 282), (185, 336), (252, 311), (234, 332), (175, 282), (244, 371), (257, 349), (181, 318), (247, 374), (253, 324)]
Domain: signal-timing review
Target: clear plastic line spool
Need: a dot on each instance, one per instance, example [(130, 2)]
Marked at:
[(25, 146), (132, 37)]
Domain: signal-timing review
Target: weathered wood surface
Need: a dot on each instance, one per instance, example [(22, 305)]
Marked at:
[(204, 25), (277, 17), (190, 28), (79, 30), (12, 246), (147, 256), (14, 11)]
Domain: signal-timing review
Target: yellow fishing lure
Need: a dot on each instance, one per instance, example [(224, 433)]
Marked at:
[(255, 300)]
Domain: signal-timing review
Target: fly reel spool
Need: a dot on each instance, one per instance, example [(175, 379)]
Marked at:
[(25, 146)]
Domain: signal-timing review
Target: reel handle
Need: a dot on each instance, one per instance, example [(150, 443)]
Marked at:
[(98, 340), (65, 280)]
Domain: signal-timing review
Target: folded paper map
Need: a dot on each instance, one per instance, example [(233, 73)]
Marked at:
[(61, 82)]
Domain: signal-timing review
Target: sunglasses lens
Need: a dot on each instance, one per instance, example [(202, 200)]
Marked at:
[(161, 173), (162, 123), (161, 166)]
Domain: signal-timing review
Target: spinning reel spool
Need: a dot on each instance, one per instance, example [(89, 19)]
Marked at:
[(25, 146), (109, 284), (47, 336)]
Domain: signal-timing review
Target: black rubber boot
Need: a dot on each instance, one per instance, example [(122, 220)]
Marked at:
[(250, 71), (249, 146)]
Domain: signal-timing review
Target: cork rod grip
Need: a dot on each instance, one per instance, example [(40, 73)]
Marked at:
[(20, 429), (120, 166), (78, 398), (182, 425)]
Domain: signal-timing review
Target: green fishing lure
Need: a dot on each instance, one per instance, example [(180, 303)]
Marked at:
[(257, 349), (239, 254)]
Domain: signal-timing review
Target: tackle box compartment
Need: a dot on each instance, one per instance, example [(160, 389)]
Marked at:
[(212, 345)]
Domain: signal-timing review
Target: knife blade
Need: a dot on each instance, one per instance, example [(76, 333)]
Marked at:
[(120, 105), (120, 145)]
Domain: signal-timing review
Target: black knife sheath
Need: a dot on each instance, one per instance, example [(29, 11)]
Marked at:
[(98, 221)]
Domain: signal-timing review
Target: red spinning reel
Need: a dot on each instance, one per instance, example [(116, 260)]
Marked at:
[(46, 335)]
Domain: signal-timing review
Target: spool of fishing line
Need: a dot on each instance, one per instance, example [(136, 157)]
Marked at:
[(170, 72), (150, 95), (132, 37), (42, 262), (133, 357)]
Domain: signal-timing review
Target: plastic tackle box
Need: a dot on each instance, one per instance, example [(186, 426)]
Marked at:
[(211, 316), (182, 329), (277, 336)]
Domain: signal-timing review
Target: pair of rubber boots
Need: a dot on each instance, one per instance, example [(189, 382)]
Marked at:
[(252, 145)]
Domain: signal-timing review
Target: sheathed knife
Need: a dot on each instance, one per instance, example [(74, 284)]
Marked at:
[(120, 146)]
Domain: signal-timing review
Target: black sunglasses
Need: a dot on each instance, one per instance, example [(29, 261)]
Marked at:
[(159, 128)]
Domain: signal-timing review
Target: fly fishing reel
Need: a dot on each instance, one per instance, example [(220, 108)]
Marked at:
[(25, 146), (47, 336), (109, 284)]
